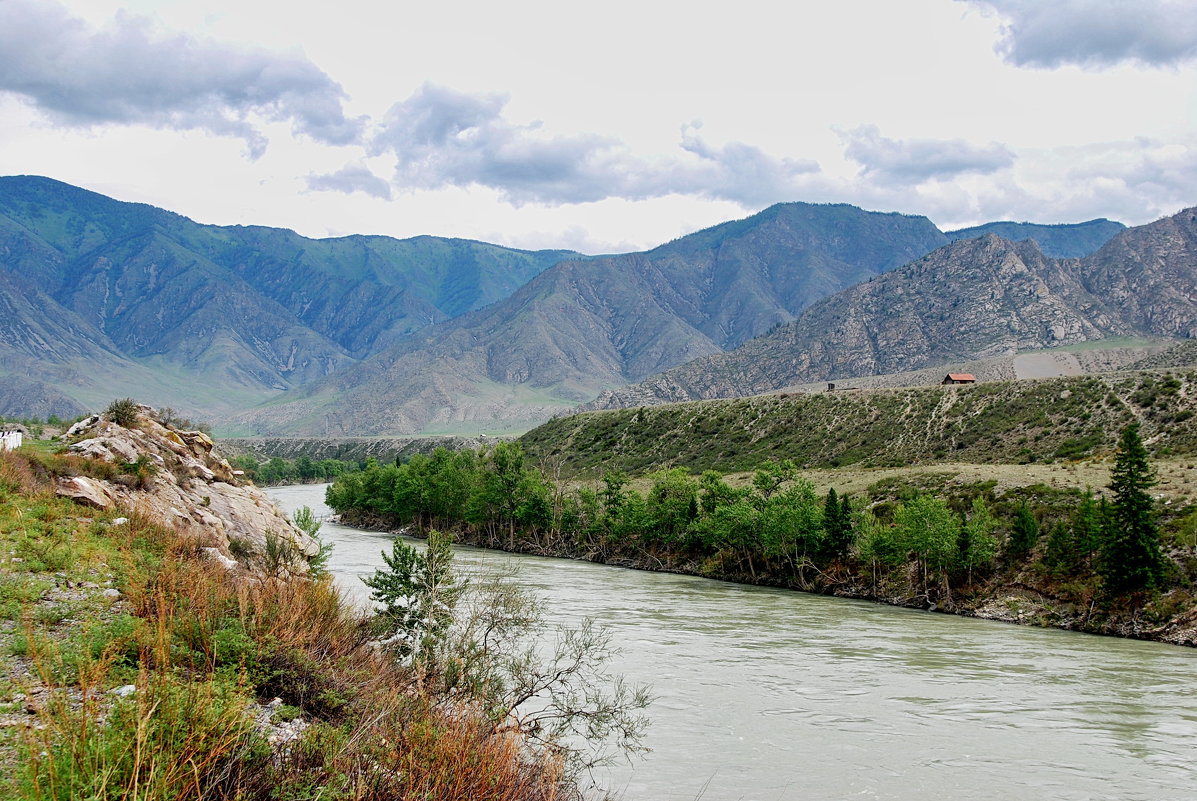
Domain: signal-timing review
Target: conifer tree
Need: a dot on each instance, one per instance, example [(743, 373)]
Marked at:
[(1063, 556), (418, 592), (1130, 557), (837, 525), (1023, 534), (1087, 526)]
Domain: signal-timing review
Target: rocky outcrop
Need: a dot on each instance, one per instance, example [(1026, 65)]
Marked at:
[(174, 477)]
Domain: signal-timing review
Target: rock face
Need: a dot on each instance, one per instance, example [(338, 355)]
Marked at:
[(173, 476)]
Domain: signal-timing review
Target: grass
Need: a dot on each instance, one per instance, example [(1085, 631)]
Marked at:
[(205, 650)]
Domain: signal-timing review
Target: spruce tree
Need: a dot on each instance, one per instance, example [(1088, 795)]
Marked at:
[(837, 526), (1130, 557), (1062, 557), (1023, 534), (1088, 526)]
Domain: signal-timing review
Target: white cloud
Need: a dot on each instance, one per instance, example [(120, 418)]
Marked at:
[(441, 137), (1095, 33), (132, 73)]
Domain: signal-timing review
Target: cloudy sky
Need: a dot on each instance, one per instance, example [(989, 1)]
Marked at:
[(609, 126)]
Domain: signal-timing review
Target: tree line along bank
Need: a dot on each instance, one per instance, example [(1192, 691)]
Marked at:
[(952, 548)]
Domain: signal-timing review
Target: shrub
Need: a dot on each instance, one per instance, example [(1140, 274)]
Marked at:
[(123, 412)]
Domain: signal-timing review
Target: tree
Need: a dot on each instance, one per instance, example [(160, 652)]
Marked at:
[(558, 693), (1062, 555), (837, 526), (418, 593), (1023, 534), (928, 527), (770, 476), (1088, 526), (309, 524), (123, 412), (1130, 557), (977, 546)]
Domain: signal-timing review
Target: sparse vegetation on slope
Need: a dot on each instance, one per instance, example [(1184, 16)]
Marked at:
[(999, 422)]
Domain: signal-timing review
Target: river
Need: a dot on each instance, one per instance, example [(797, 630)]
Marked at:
[(771, 695)]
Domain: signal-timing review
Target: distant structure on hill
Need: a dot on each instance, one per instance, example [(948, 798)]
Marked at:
[(11, 438), (959, 378)]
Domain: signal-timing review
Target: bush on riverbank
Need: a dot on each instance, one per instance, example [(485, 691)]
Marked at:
[(304, 470), (954, 547)]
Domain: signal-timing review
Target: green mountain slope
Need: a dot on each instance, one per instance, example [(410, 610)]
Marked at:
[(252, 311)]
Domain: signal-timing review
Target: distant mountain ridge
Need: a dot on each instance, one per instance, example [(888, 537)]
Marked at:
[(257, 310), (1067, 241), (970, 299), (583, 326), (267, 331)]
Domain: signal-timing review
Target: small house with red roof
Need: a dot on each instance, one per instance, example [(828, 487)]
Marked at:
[(959, 378)]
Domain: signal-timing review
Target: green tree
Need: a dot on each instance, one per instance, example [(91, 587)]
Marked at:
[(977, 545), (672, 505), (305, 468), (123, 412), (1130, 557), (1088, 526), (1023, 534), (837, 526), (1062, 556), (418, 593), (770, 476), (928, 527), (309, 524)]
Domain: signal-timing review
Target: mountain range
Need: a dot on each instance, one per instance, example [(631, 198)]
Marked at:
[(265, 331), (971, 299), (102, 297)]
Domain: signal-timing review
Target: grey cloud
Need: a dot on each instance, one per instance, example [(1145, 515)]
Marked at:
[(1095, 33), (349, 179), (130, 73), (441, 137), (913, 161)]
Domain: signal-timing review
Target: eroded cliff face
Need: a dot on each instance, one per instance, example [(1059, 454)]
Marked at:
[(174, 477)]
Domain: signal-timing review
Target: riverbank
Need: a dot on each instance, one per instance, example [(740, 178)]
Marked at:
[(1170, 618), (824, 697), (164, 636)]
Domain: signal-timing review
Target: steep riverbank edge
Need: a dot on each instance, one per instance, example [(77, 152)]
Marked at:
[(1169, 618)]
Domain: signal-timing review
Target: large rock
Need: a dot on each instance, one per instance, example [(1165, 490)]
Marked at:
[(86, 491), (180, 483)]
